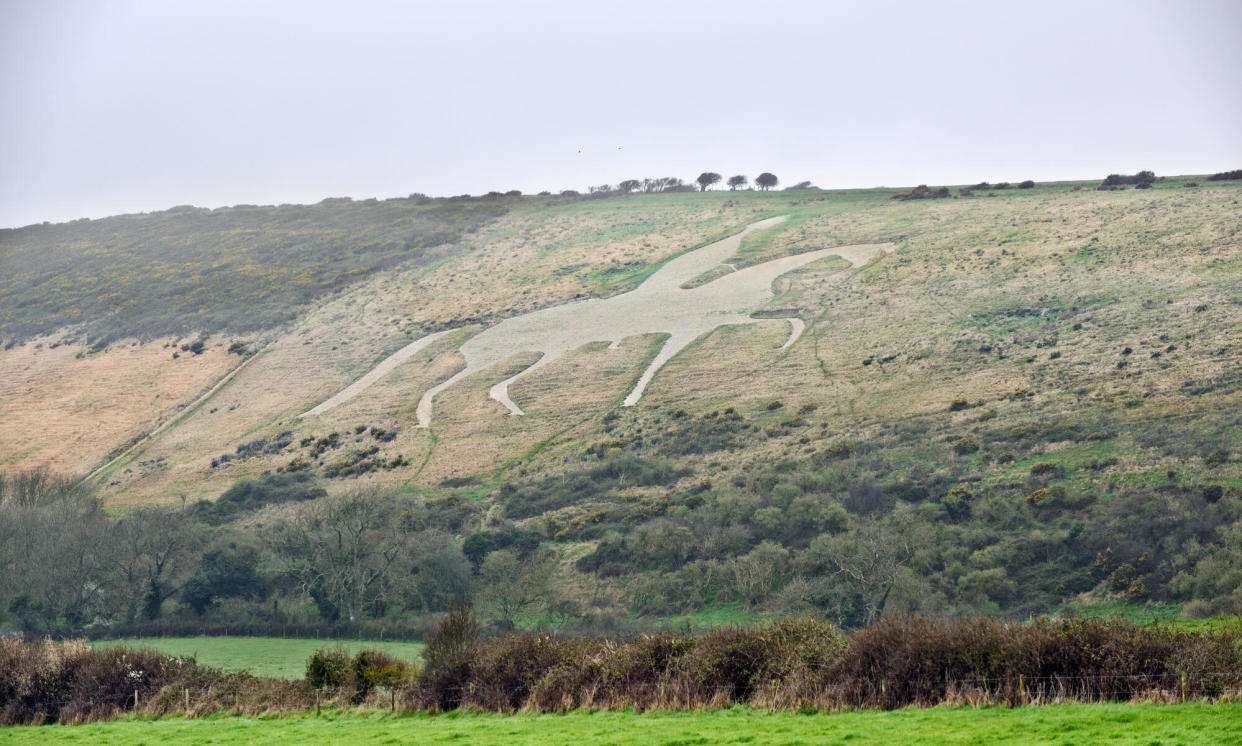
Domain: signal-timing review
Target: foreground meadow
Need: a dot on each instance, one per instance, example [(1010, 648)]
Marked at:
[(278, 657), (1169, 725)]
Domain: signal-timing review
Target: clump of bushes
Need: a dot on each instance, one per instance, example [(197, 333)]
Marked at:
[(1217, 457), (68, 682), (1040, 468), (922, 191), (1142, 180), (327, 669), (362, 462), (792, 664), (613, 473), (809, 664), (252, 494), (264, 446), (1226, 175), (965, 444)]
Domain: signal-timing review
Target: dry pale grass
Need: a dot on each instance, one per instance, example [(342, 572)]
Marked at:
[(349, 335), (67, 409), (973, 303)]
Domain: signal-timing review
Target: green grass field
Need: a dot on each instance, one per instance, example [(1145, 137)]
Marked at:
[(1182, 725), (261, 656)]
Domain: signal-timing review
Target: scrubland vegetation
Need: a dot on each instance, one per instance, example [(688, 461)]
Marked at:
[(791, 665), (191, 270), (1039, 424)]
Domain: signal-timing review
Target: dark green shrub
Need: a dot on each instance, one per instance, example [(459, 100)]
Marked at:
[(370, 669), (922, 191), (328, 669), (449, 658), (252, 494), (965, 444), (841, 449), (958, 504), (1142, 177), (1040, 468)]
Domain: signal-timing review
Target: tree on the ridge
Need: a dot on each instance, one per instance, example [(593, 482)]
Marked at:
[(629, 185), (706, 179), (766, 180), (736, 182)]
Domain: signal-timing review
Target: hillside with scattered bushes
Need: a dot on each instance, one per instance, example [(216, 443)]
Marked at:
[(1032, 405)]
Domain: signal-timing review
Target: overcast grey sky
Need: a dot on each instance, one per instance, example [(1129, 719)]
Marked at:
[(134, 105)]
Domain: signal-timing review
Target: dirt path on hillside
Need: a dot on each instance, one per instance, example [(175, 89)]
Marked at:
[(175, 418)]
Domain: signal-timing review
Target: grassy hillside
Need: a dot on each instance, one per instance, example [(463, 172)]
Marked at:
[(189, 270), (1031, 404)]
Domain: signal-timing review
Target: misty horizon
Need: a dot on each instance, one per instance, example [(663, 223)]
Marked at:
[(134, 106)]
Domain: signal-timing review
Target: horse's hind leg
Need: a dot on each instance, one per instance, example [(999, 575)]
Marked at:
[(673, 345), (500, 392), (424, 404)]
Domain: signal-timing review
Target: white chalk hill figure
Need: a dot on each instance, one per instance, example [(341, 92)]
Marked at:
[(658, 305)]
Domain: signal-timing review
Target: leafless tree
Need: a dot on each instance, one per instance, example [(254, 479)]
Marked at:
[(154, 551), (343, 552), (512, 586)]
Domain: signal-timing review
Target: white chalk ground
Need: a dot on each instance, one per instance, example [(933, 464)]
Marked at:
[(376, 373), (658, 305)]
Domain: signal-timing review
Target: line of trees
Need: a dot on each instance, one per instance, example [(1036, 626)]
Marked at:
[(764, 181), (68, 567), (705, 180)]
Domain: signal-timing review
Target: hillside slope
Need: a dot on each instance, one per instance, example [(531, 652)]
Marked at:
[(1037, 392)]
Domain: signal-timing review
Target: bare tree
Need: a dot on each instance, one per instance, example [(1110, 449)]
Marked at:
[(869, 560), (759, 572), (52, 561), (766, 180), (512, 586), (342, 553), (737, 182), (706, 179), (662, 184), (155, 550)]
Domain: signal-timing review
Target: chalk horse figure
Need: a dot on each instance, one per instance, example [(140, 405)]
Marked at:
[(658, 305)]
